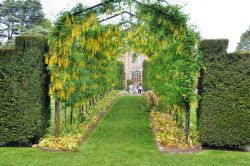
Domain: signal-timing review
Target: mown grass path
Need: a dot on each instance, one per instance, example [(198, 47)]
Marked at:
[(123, 137)]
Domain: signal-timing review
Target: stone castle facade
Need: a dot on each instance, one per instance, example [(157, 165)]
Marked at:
[(133, 67)]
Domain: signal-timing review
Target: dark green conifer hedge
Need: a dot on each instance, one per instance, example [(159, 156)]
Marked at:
[(24, 101), (225, 96)]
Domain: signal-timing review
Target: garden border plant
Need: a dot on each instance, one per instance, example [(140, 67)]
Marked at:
[(169, 136), (76, 134)]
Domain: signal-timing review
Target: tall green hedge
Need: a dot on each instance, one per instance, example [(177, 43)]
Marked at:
[(24, 104), (225, 96)]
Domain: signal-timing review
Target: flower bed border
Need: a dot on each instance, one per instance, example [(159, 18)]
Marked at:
[(89, 131), (172, 150), (163, 149)]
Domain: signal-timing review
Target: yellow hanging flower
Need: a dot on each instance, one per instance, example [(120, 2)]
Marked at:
[(179, 49), (129, 35), (58, 85), (67, 23)]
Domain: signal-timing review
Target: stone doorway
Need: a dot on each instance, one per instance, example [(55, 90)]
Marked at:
[(136, 77)]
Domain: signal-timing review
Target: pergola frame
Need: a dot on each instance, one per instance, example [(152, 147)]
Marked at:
[(118, 14)]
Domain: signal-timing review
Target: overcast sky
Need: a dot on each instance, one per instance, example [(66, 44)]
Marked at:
[(213, 18)]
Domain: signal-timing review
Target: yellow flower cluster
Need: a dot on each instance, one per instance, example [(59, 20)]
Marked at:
[(93, 38)]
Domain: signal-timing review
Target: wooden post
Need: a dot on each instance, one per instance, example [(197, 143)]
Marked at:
[(80, 112), (86, 107), (177, 116), (71, 116), (57, 117), (65, 116), (181, 119), (187, 121)]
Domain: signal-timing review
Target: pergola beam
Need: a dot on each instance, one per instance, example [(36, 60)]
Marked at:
[(112, 1), (92, 7), (108, 18), (124, 22), (119, 14), (116, 15), (106, 2)]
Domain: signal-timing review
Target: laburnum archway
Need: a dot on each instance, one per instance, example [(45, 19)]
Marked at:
[(84, 51)]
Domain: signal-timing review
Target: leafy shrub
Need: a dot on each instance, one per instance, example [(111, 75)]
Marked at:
[(149, 101), (24, 104), (225, 92), (66, 142)]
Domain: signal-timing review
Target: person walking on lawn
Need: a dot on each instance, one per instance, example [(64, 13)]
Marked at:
[(139, 88)]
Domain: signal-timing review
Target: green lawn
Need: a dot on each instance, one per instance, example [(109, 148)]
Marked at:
[(122, 138)]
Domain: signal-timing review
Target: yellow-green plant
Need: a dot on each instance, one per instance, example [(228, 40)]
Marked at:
[(83, 53)]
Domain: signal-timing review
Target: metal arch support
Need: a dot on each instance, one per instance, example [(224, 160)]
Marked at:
[(116, 15), (93, 7), (112, 1), (121, 23)]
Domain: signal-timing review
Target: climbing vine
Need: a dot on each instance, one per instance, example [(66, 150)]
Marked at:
[(175, 62), (81, 59), (83, 53)]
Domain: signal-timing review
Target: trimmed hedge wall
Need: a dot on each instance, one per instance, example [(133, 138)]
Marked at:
[(24, 104), (224, 88)]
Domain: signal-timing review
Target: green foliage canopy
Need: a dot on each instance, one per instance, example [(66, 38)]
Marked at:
[(83, 52), (174, 60), (19, 15), (244, 44)]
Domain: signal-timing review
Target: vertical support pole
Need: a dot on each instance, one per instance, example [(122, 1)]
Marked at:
[(187, 121), (65, 116), (57, 117), (71, 116)]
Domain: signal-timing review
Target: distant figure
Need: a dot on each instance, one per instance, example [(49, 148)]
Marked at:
[(139, 88), (131, 88)]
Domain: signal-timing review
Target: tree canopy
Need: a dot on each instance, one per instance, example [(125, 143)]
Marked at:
[(244, 44), (19, 15)]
